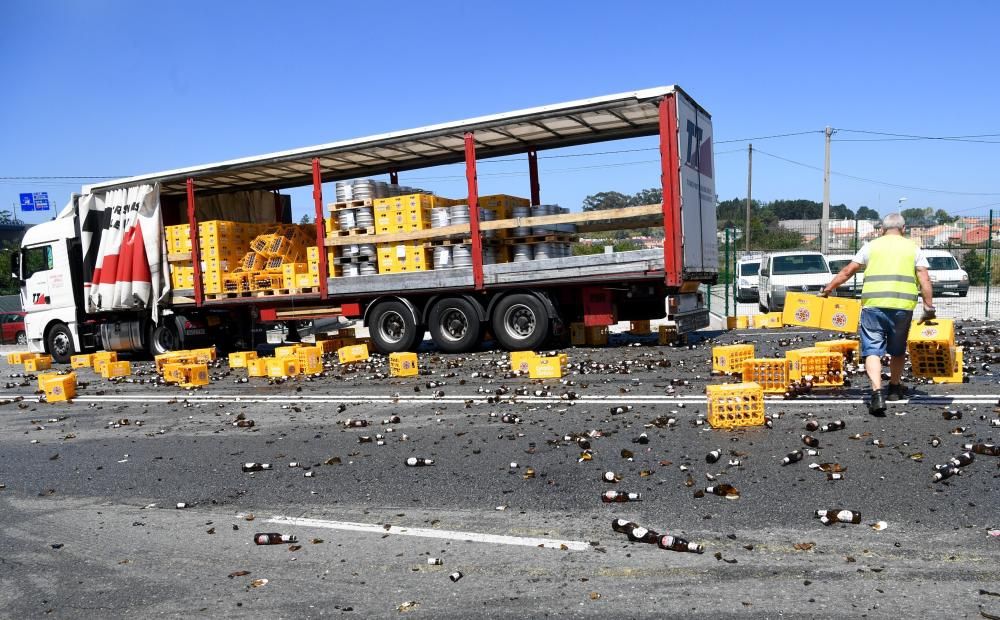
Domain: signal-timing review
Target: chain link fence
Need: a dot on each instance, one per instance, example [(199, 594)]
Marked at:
[(964, 266)]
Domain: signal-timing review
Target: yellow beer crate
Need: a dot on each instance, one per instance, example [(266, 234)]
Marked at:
[(547, 367), (729, 358), (38, 362), (61, 388), (770, 373), (770, 320), (195, 375), (257, 367), (174, 373), (737, 322), (240, 358), (735, 404), (46, 376), (403, 365), (310, 360), (939, 333), (826, 368), (19, 357), (520, 361), (840, 315), (82, 360), (113, 370), (639, 328), (352, 353), (280, 367), (848, 348), (290, 350), (957, 375), (802, 310)]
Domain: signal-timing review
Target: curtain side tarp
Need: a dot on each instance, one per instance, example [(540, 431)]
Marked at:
[(124, 250)]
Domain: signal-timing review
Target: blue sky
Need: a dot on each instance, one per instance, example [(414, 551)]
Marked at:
[(118, 88)]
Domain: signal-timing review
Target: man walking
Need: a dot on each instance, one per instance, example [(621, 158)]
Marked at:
[(894, 266)]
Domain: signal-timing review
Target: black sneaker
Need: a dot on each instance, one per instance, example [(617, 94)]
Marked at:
[(876, 406), (897, 391)]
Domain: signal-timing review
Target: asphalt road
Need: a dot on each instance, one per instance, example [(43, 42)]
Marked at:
[(89, 525)]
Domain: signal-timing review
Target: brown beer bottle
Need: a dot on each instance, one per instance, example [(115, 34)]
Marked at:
[(675, 543)]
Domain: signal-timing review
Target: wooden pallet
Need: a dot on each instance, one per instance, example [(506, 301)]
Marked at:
[(297, 291), (463, 241), (262, 293), (540, 239), (353, 232), (350, 204)]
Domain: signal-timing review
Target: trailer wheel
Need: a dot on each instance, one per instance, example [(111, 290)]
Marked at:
[(59, 343), (162, 338), (520, 322), (392, 327), (454, 325)]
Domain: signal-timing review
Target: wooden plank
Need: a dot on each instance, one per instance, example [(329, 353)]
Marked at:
[(308, 313), (591, 221), (177, 257)]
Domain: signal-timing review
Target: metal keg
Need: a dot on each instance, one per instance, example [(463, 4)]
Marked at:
[(350, 251), (344, 192), (350, 270), (381, 189), (440, 217), (365, 217), (543, 251), (363, 189), (442, 257), (459, 214), (521, 231), (345, 218), (522, 252), (368, 269), (367, 250), (461, 255), (485, 215), (537, 211)]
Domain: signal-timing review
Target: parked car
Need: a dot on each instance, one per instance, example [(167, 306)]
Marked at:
[(946, 275), (798, 271), (747, 270), (851, 288), (12, 328)]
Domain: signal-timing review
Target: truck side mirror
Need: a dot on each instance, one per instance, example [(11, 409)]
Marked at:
[(15, 266)]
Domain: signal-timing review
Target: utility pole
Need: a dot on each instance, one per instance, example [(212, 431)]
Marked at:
[(824, 233), (746, 231)]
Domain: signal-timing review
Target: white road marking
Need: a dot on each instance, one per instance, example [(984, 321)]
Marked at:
[(624, 399), (548, 543)]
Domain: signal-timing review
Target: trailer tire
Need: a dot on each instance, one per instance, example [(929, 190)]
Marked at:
[(520, 322), (454, 325), (392, 327), (162, 338), (59, 343)]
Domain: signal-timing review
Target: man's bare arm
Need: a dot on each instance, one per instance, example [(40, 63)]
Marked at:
[(844, 275), (926, 290)]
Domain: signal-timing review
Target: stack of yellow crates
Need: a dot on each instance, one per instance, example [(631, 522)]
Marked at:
[(502, 206), (933, 354), (404, 214)]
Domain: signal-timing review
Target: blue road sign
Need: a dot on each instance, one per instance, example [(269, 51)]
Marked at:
[(37, 201)]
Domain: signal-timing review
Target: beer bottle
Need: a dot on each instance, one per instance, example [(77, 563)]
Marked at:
[(810, 441), (349, 423), (272, 538), (621, 409), (641, 439), (812, 425), (792, 457), (622, 526), (986, 449), (641, 534), (948, 472), (951, 415), (837, 425), (723, 490), (243, 423), (838, 515), (620, 496), (610, 476), (675, 543), (713, 456), (256, 466), (962, 460), (416, 461), (508, 418), (393, 419)]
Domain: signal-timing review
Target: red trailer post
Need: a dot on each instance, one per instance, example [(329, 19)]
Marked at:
[(320, 228), (477, 242), (195, 249)]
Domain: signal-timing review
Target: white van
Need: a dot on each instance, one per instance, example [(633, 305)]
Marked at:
[(747, 270), (851, 288), (797, 271), (946, 276)]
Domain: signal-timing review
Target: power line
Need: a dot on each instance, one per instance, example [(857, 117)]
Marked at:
[(900, 137), (877, 182)]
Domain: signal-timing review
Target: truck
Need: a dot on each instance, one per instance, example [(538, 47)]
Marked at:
[(99, 275)]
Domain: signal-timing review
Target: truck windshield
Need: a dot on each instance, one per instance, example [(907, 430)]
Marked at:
[(799, 264), (749, 269), (37, 259), (940, 263)]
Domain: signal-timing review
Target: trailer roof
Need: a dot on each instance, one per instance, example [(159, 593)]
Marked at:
[(612, 117)]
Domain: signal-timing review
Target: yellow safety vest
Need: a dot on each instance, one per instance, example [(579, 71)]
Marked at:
[(891, 274)]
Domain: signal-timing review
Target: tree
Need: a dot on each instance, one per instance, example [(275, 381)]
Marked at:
[(305, 219), (864, 213), (841, 212), (975, 267), (6, 217), (918, 217), (605, 200), (943, 217), (650, 196)]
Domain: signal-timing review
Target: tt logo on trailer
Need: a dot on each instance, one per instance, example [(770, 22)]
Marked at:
[(699, 153), (40, 299)]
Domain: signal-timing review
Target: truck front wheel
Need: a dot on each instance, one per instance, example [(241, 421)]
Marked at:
[(162, 338), (59, 343), (392, 327), (520, 322), (454, 325)]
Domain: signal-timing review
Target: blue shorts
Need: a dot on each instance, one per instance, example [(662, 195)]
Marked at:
[(884, 330)]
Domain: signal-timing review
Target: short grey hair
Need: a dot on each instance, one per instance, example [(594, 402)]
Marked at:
[(893, 220)]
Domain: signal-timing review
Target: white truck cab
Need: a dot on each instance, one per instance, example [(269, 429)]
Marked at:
[(45, 268)]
